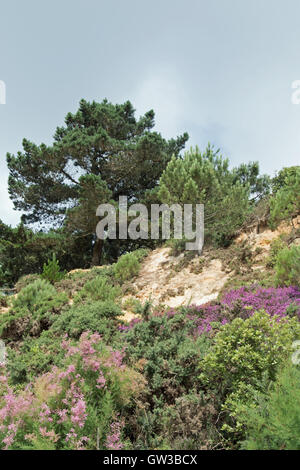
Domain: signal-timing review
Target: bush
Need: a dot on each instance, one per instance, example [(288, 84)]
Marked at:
[(190, 423), (128, 265), (81, 405), (286, 201), (33, 310), (34, 357), (25, 281), (287, 266), (51, 271), (276, 246), (177, 246), (244, 353), (274, 423), (75, 281), (165, 350), (96, 316), (99, 288)]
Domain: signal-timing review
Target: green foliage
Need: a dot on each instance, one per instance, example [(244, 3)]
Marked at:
[(24, 252), (279, 181), (177, 246), (144, 309), (99, 139), (128, 265), (95, 316), (276, 246), (245, 352), (51, 271), (205, 178), (191, 423), (248, 174), (33, 310), (80, 405), (75, 281), (274, 422), (169, 357), (100, 288), (287, 266), (286, 201), (24, 281), (34, 356)]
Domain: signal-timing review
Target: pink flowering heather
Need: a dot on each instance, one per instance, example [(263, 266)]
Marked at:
[(243, 303), (62, 416), (113, 440)]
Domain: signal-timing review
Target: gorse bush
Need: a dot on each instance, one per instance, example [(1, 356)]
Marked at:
[(99, 288), (274, 422), (127, 267), (287, 266), (51, 271), (164, 349), (95, 316), (32, 310), (33, 357)]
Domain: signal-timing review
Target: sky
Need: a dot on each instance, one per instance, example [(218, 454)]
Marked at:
[(222, 70)]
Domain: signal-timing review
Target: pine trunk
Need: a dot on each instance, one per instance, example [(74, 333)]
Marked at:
[(97, 252)]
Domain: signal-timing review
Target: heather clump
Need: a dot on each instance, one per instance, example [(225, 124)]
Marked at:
[(81, 405), (244, 302), (274, 301)]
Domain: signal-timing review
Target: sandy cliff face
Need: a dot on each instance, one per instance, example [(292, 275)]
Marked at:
[(162, 279)]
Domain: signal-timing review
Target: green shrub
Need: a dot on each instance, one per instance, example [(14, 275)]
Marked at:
[(99, 316), (128, 265), (34, 356), (99, 288), (25, 281), (276, 246), (244, 353), (75, 281), (274, 423), (286, 201), (177, 246), (163, 349), (33, 310), (51, 271), (287, 266), (190, 423)]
